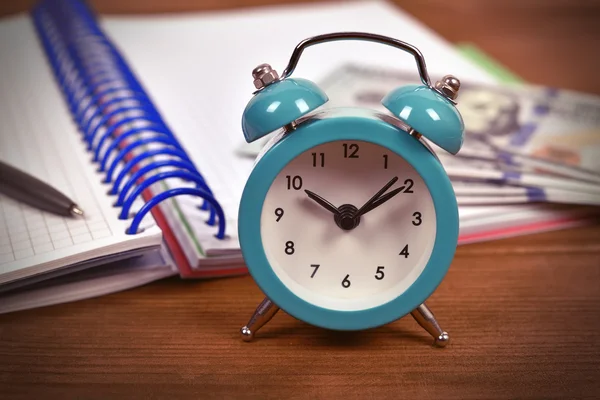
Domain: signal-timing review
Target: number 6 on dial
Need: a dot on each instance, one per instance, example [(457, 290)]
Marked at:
[(348, 193)]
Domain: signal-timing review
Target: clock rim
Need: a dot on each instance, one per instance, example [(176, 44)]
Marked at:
[(310, 134)]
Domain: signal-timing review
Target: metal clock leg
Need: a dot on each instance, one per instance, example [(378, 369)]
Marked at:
[(426, 319), (263, 314)]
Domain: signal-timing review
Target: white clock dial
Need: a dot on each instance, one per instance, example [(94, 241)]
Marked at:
[(334, 264)]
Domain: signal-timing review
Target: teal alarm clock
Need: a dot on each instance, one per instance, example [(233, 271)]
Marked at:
[(348, 220)]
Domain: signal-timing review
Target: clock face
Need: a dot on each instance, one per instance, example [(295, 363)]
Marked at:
[(327, 256)]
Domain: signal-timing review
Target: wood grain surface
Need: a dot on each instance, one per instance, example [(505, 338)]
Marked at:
[(524, 313)]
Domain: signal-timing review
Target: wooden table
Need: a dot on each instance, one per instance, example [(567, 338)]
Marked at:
[(524, 313)]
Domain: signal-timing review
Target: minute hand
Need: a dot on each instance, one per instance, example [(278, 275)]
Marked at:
[(367, 206), (381, 200)]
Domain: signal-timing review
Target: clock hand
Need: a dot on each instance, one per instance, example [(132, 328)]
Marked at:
[(382, 200), (322, 202), (375, 197)]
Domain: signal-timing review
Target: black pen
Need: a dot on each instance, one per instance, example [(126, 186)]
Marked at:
[(23, 187)]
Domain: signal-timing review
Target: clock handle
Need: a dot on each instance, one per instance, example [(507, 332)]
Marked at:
[(426, 319), (263, 314), (369, 37)]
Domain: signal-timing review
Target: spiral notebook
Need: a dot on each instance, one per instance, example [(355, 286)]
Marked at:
[(74, 115)]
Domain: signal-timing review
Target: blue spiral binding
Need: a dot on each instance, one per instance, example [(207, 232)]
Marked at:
[(140, 173), (98, 111), (138, 159), (127, 133), (114, 114), (178, 192), (89, 106), (104, 121), (127, 201)]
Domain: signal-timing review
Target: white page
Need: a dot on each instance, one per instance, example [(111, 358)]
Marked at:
[(94, 282), (38, 136), (197, 69)]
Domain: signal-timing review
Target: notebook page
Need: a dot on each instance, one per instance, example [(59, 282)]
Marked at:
[(94, 282), (197, 67), (38, 136)]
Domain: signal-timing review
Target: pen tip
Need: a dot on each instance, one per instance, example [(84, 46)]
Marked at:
[(75, 210)]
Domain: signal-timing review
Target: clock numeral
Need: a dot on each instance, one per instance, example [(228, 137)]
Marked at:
[(346, 282), (385, 161), (417, 221), (278, 213), (379, 274), (404, 252), (350, 150), (321, 157), (316, 267), (294, 182), (408, 184), (289, 248)]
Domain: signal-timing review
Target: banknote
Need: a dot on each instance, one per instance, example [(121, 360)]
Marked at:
[(491, 171), (538, 139), (486, 193), (546, 197), (511, 160)]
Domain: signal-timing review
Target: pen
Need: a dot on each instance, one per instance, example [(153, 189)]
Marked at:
[(23, 187)]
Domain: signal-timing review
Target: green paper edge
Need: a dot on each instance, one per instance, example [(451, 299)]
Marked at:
[(474, 54), (185, 222)]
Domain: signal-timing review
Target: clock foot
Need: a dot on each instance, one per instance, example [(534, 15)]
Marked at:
[(426, 319), (263, 314)]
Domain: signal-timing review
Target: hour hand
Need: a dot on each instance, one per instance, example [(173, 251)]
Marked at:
[(322, 202)]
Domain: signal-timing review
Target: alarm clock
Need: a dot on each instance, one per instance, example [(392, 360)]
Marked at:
[(348, 220)]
